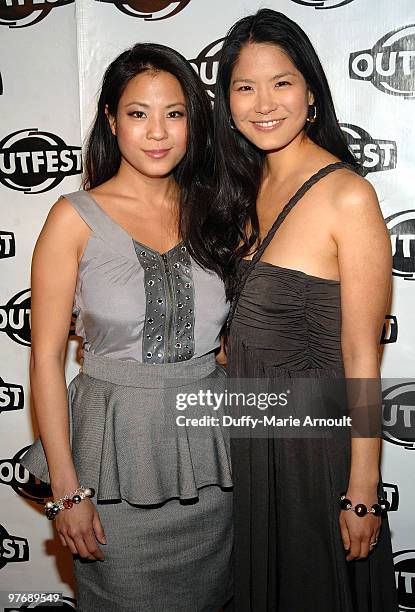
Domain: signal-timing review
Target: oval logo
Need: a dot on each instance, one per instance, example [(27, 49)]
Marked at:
[(404, 562), (149, 10), (390, 64), (32, 161), (398, 407), (206, 65), (374, 155), (401, 228), (12, 548), (15, 318), (24, 13), (22, 482), (323, 4), (11, 396)]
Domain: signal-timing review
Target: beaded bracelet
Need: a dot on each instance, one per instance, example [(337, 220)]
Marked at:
[(52, 508), (361, 510)]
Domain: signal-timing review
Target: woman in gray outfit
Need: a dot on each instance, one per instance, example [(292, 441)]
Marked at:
[(126, 256)]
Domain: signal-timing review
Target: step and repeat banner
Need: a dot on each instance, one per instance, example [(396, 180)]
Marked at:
[(53, 55)]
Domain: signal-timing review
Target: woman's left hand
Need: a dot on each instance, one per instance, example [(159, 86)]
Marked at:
[(359, 532)]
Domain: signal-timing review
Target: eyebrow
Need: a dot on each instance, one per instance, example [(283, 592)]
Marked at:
[(274, 78), (144, 105)]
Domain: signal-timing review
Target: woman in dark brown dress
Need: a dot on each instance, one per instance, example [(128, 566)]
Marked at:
[(314, 281)]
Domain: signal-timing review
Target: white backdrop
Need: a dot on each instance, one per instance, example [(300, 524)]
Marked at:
[(53, 54)]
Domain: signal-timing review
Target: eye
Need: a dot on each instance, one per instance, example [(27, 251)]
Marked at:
[(282, 83), (176, 114), (137, 114), (244, 88)]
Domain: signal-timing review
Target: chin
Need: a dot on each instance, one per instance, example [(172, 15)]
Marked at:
[(271, 142), (267, 144), (157, 175), (156, 170)]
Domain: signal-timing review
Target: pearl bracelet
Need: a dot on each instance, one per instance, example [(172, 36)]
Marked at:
[(52, 508), (361, 510)]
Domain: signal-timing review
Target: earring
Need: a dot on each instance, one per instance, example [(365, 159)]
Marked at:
[(231, 124), (313, 117)]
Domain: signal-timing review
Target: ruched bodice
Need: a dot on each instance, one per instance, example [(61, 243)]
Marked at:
[(288, 320)]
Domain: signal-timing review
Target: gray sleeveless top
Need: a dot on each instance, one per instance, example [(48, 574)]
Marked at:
[(133, 303)]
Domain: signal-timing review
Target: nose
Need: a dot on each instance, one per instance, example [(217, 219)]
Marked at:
[(156, 128), (265, 102)]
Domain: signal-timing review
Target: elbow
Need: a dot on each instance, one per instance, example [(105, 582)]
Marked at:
[(361, 361), (42, 359)]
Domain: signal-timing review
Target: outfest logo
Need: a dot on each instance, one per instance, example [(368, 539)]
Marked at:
[(32, 161), (24, 13), (15, 318), (7, 244), (11, 397), (12, 548), (206, 65), (390, 330), (401, 226), (375, 155), (323, 4), (398, 408), (390, 64), (25, 484), (149, 10), (404, 564), (392, 495)]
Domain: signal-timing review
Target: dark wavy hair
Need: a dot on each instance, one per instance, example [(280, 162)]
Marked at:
[(238, 164), (194, 172)]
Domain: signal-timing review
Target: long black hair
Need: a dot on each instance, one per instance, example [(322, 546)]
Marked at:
[(194, 172), (238, 164)]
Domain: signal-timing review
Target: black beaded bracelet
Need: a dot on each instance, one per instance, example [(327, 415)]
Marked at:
[(361, 509)]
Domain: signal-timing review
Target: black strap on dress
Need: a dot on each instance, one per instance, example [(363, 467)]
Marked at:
[(278, 221)]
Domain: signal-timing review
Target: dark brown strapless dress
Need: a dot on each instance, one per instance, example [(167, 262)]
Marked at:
[(289, 556)]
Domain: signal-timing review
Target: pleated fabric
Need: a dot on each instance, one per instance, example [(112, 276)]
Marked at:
[(124, 437)]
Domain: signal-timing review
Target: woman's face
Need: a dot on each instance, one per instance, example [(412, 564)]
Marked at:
[(269, 98), (151, 124)]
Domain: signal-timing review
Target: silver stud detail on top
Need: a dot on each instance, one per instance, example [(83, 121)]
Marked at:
[(169, 323)]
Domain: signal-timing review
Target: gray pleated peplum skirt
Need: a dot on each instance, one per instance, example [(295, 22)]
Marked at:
[(163, 492)]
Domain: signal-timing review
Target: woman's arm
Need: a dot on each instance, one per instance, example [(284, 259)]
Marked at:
[(364, 256), (54, 273)]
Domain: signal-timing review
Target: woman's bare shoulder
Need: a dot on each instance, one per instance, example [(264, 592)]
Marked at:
[(349, 191), (63, 215), (63, 227)]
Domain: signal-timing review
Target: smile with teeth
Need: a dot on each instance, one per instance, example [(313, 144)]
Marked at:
[(268, 123)]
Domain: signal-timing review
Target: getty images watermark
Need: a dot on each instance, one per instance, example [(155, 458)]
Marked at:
[(287, 407), (225, 402)]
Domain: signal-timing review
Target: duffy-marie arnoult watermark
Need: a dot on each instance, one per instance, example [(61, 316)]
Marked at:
[(266, 421), (284, 407)]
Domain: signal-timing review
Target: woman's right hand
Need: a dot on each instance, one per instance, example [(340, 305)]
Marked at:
[(79, 528)]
